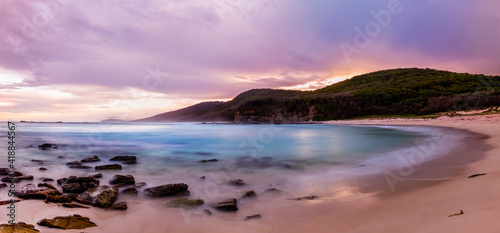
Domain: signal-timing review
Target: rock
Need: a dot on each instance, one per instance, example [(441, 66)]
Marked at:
[(167, 190), (75, 184), (273, 190), (125, 179), (227, 205), (30, 191), (119, 185), (208, 160), (74, 163), (4, 171), (69, 222), (250, 194), (108, 167), (9, 179), (80, 166), (207, 212), (74, 205), (184, 202), (202, 178), (61, 181), (305, 198), (37, 161), (95, 175), (476, 175), (456, 214), (8, 202), (120, 206), (102, 196), (46, 146), (19, 227), (15, 173), (3, 185), (91, 159), (129, 162), (130, 191), (140, 184), (45, 179), (124, 158), (256, 216), (47, 185), (72, 196), (58, 199), (60, 157), (237, 182), (43, 169)]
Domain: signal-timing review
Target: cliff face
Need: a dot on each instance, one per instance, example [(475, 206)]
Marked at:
[(390, 92)]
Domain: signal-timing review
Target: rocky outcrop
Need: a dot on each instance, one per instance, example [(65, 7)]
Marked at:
[(227, 205), (75, 184), (122, 179), (185, 202), (167, 190), (91, 159), (19, 227), (69, 222), (102, 196), (109, 167)]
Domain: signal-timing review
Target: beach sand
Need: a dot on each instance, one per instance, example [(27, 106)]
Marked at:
[(417, 204)]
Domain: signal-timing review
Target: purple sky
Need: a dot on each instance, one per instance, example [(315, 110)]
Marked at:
[(91, 60)]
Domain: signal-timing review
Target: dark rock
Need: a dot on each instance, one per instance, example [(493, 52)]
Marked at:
[(4, 171), (61, 181), (125, 179), (74, 205), (43, 169), (129, 162), (15, 173), (60, 157), (8, 202), (207, 212), (38, 161), (208, 160), (69, 222), (119, 185), (185, 202), (71, 195), (250, 194), (273, 190), (476, 175), (58, 199), (91, 159), (30, 191), (25, 177), (120, 206), (257, 216), (305, 198), (227, 205), (3, 185), (74, 163), (202, 178), (19, 227), (46, 146), (140, 184), (102, 196), (80, 166), (75, 184), (108, 167), (9, 179), (95, 175), (130, 191), (124, 158), (237, 182), (45, 179), (167, 190), (47, 185)]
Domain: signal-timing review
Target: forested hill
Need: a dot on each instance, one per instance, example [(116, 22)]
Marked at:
[(410, 91)]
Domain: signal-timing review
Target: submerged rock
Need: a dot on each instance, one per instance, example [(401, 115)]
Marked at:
[(46, 179), (227, 205), (124, 158), (130, 191), (109, 167), (75, 184), (19, 227), (102, 196), (43, 169), (185, 202), (74, 163), (250, 194), (80, 166), (305, 198), (167, 190), (91, 159), (124, 179), (256, 216), (69, 222), (47, 146), (120, 206), (95, 175), (207, 212), (140, 184), (208, 160), (237, 182)]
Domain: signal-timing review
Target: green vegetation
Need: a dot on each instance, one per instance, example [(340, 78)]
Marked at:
[(409, 92)]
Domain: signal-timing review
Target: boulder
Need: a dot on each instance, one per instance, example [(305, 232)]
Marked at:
[(124, 179), (30, 191), (227, 205), (250, 194), (74, 205), (167, 190), (19, 227), (69, 222), (102, 196), (109, 167), (119, 206), (91, 159), (130, 191), (124, 158), (95, 175), (58, 199), (185, 202), (75, 184), (237, 182)]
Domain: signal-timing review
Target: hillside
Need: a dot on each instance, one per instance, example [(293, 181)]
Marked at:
[(409, 91)]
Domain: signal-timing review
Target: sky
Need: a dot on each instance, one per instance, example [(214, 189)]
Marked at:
[(75, 60)]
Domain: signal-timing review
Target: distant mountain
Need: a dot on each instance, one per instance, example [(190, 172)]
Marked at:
[(410, 91), (113, 121)]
